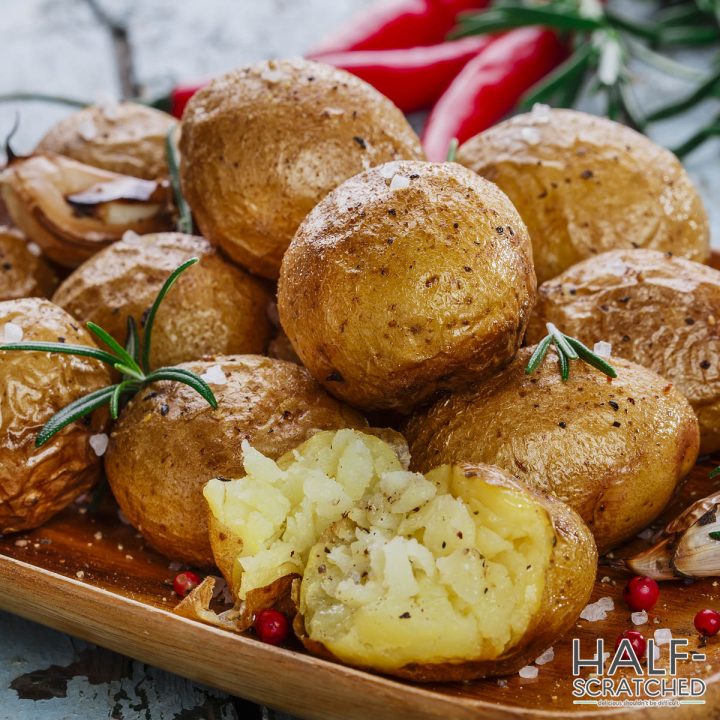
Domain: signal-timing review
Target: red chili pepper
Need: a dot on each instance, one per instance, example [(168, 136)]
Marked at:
[(391, 24), (489, 86), (413, 78)]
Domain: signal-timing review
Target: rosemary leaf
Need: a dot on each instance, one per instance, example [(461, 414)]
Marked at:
[(561, 342), (147, 334), (132, 342), (123, 387), (714, 535), (63, 348), (591, 358), (539, 355), (703, 90), (188, 378), (122, 354), (563, 362), (185, 221), (714, 473), (72, 412), (129, 372)]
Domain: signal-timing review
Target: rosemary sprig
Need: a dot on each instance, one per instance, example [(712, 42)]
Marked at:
[(185, 221), (568, 349), (136, 373)]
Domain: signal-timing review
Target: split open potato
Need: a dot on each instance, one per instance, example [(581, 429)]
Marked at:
[(614, 451), (36, 483), (23, 270), (126, 138), (456, 575), (73, 210), (656, 309), (168, 442), (215, 308), (584, 184), (408, 279), (262, 145)]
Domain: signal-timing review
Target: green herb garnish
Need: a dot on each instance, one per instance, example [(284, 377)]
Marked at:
[(136, 373), (452, 150), (715, 535), (568, 349), (185, 221)]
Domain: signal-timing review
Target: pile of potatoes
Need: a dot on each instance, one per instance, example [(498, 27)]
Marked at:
[(344, 284)]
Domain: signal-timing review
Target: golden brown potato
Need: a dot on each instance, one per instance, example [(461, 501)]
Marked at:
[(657, 310), (215, 308), (74, 210), (613, 451), (584, 185), (262, 145), (168, 442), (23, 270), (407, 279), (126, 138), (37, 483), (458, 575)]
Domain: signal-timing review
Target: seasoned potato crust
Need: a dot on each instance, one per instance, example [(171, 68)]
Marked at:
[(23, 270)]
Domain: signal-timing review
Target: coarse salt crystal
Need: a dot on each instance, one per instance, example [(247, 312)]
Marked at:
[(656, 652), (639, 618), (399, 182), (605, 579), (529, 672), (387, 171), (541, 112), (21, 543), (502, 683), (215, 375), (663, 636), (531, 135), (175, 566), (98, 535), (331, 111), (272, 75), (129, 236), (546, 657), (34, 249), (99, 443), (603, 349), (12, 333), (80, 574), (597, 610)]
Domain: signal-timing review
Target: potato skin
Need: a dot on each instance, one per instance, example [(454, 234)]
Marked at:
[(126, 138), (617, 468), (391, 295), (262, 145), (23, 270), (35, 484), (568, 586), (658, 310), (169, 442), (214, 308), (582, 186)]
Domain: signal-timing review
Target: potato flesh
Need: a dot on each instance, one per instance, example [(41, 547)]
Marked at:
[(279, 509), (458, 576)]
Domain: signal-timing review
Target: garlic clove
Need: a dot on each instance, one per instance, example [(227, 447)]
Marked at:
[(697, 553), (655, 562)]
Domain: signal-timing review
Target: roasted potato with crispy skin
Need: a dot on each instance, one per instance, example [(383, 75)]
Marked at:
[(457, 575), (36, 483), (657, 310), (23, 270), (169, 442), (408, 279), (614, 451), (215, 308), (126, 138), (584, 184), (262, 145)]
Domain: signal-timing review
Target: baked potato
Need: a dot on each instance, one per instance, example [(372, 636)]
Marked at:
[(457, 575), (408, 279), (656, 309), (262, 145), (74, 210), (126, 138), (168, 442), (582, 185), (36, 483), (23, 270), (614, 451), (215, 309)]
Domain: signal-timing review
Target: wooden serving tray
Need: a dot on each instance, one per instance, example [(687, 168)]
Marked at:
[(88, 574)]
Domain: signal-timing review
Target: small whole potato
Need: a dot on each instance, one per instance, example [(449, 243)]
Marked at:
[(214, 308), (169, 442), (584, 184), (407, 279), (23, 270), (262, 145), (36, 483), (126, 138), (656, 309), (613, 451)]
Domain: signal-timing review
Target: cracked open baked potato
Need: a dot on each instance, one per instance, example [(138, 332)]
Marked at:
[(584, 184), (614, 451), (657, 310), (262, 145), (408, 279)]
